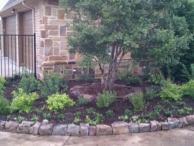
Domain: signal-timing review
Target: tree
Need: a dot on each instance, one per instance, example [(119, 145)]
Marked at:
[(109, 29)]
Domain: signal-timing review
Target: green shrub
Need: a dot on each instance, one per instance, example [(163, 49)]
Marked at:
[(51, 84), (4, 105), (97, 119), (156, 78), (90, 111), (83, 101), (149, 94), (105, 99), (188, 88), (29, 84), (22, 102), (133, 80), (170, 91), (58, 102), (109, 113), (2, 85), (137, 101)]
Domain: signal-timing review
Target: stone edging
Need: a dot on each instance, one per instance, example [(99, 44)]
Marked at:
[(116, 128)]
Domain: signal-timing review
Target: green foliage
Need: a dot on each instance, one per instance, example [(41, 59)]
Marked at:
[(150, 93), (51, 84), (137, 101), (20, 119), (127, 112), (181, 103), (170, 91), (150, 115), (175, 108), (38, 112), (158, 108), (155, 78), (34, 118), (90, 111), (58, 102), (83, 101), (97, 119), (77, 117), (47, 116), (166, 101), (2, 86), (133, 80), (169, 113), (4, 105), (110, 113), (61, 116), (106, 98), (123, 118), (134, 118), (22, 101), (188, 88), (29, 84)]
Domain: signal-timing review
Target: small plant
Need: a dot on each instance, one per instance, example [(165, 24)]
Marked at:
[(170, 91), (47, 116), (58, 102), (77, 114), (34, 118), (4, 105), (182, 111), (134, 118), (187, 88), (166, 101), (133, 80), (181, 103), (77, 117), (90, 111), (174, 107), (168, 113), (2, 86), (98, 118), (20, 119), (61, 116), (105, 99), (189, 109), (150, 115), (155, 78), (142, 120), (137, 101), (83, 101), (9, 117), (123, 118), (110, 113), (150, 93), (38, 112), (185, 110), (22, 102), (158, 108), (127, 112)]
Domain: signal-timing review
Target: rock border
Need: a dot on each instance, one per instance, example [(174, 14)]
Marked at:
[(116, 128)]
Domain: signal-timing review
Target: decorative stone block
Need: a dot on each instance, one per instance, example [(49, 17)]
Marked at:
[(59, 129), (72, 130), (183, 122), (46, 129), (92, 131), (34, 129), (11, 126), (120, 128), (190, 119), (24, 127), (103, 130), (133, 127), (2, 125), (62, 30), (84, 129), (173, 123), (144, 127), (165, 125), (153, 126), (159, 126)]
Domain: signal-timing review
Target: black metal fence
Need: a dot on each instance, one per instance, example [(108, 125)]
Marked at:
[(17, 54)]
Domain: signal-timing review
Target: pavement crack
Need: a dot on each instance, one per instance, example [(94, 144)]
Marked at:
[(66, 141)]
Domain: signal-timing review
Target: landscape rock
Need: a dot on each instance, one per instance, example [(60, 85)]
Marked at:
[(103, 130), (24, 127), (144, 127), (159, 126), (153, 126), (89, 97), (183, 122), (120, 128), (2, 125), (72, 130), (45, 122), (165, 126), (35, 128), (11, 126), (84, 129), (59, 129), (46, 129), (133, 127), (92, 131), (173, 123), (190, 119)]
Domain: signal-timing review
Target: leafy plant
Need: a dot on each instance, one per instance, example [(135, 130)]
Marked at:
[(22, 102), (127, 112), (187, 88), (134, 118), (97, 119), (58, 102), (77, 117), (182, 111), (60, 116), (106, 98), (20, 119), (150, 115), (156, 78), (171, 91), (4, 105), (133, 80), (2, 86), (149, 94), (34, 118), (137, 101), (38, 112), (83, 101), (181, 103), (123, 118), (169, 113), (110, 113), (166, 101), (158, 108), (174, 107), (47, 116), (90, 111)]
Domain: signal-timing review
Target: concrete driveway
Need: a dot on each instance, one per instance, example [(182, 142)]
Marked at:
[(176, 137)]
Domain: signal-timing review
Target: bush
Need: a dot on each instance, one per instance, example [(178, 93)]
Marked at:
[(149, 94), (188, 88), (83, 101), (29, 84), (156, 78), (137, 101), (22, 102), (52, 83), (2, 85), (4, 105), (106, 98), (133, 80), (59, 101), (170, 91)]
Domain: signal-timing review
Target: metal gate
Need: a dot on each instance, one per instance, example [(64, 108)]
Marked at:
[(17, 55)]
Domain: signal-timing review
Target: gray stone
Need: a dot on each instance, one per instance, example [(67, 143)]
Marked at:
[(46, 129), (153, 126), (2, 125), (84, 129), (120, 128), (144, 127), (173, 123), (45, 122), (72, 130), (11, 126), (59, 129), (35, 128), (24, 127), (183, 122), (103, 130), (92, 131), (165, 126), (190, 119), (133, 127)]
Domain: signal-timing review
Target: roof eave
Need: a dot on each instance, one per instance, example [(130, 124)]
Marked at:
[(11, 5)]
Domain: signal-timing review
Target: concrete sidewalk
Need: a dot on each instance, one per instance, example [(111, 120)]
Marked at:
[(176, 137)]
